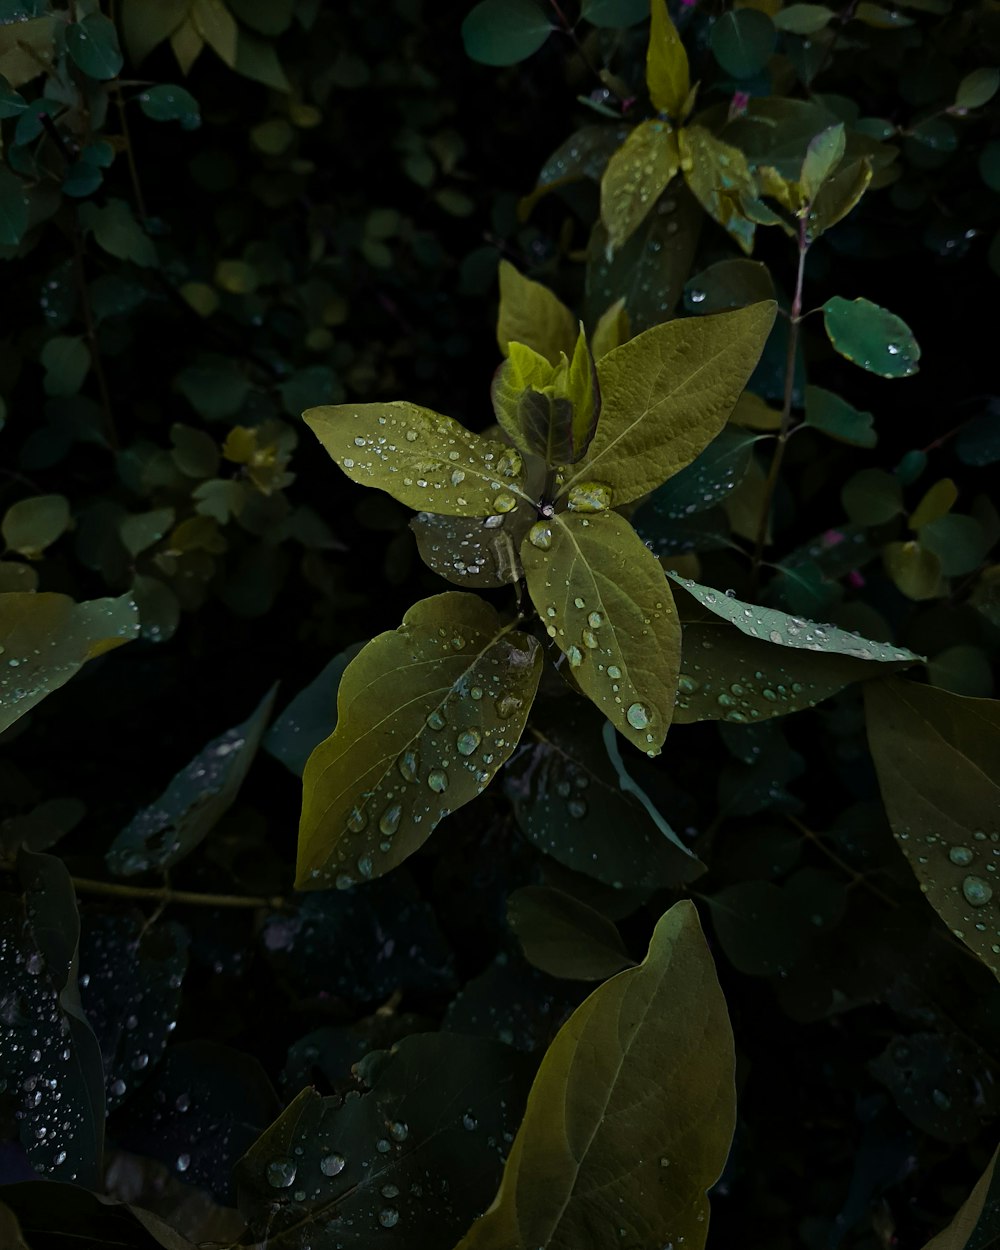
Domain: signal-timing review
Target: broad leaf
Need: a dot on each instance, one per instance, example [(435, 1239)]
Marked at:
[(666, 394), (503, 32), (612, 329), (335, 1172), (473, 552), (31, 525), (728, 284), (742, 41), (569, 801), (310, 717), (635, 178), (976, 1224), (720, 179), (194, 802), (836, 417), (531, 314), (47, 637), (839, 194), (938, 760), (709, 478), (667, 74), (823, 155), (565, 937), (583, 155), (631, 1114), (428, 462), (603, 598), (426, 714), (871, 337)]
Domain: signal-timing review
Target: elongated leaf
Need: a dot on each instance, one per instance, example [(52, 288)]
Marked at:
[(709, 478), (666, 394), (937, 756), (530, 313), (976, 1224), (548, 411), (50, 1062), (565, 937), (426, 714), (570, 802), (354, 1172), (630, 1117), (426, 461), (603, 598), (839, 194), (667, 73), (193, 803), (47, 637), (635, 178), (720, 179)]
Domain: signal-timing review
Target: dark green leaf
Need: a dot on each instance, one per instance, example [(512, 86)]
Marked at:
[(614, 13), (742, 41), (503, 32), (564, 937), (170, 103), (871, 337), (835, 416), (728, 284), (310, 717), (93, 45)]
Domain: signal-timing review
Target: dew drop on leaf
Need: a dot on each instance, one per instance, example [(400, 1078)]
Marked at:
[(467, 741), (977, 891), (438, 781), (638, 716), (332, 1164), (540, 535)]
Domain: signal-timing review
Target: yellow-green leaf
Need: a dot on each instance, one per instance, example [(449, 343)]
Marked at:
[(427, 461), (603, 598), (531, 314), (31, 525), (666, 394), (147, 23), (719, 178), (217, 27), (823, 155), (839, 194), (635, 178), (426, 714), (612, 329), (667, 75), (937, 755), (45, 638), (631, 1114), (915, 570), (565, 937), (976, 1217), (937, 502)]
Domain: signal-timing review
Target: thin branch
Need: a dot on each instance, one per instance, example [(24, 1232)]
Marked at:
[(164, 895)]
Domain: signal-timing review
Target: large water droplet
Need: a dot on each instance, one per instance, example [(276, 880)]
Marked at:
[(407, 765), (388, 1217), (589, 497), (504, 503), (977, 891), (637, 716), (389, 820), (467, 741), (540, 535), (961, 855), (280, 1173), (438, 780), (332, 1164)]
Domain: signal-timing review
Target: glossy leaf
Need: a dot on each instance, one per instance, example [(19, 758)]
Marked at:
[(583, 155), (628, 785), (473, 552), (614, 13), (803, 19), (938, 761), (637, 1082), (839, 195), (709, 478), (666, 394), (977, 88), (871, 337), (602, 596), (823, 155), (350, 1172), (93, 45), (531, 314), (742, 41), (47, 637), (565, 937), (426, 714), (636, 176), (719, 177), (426, 461), (667, 74), (162, 834), (503, 32), (728, 284), (568, 797), (935, 504), (170, 103), (836, 417)]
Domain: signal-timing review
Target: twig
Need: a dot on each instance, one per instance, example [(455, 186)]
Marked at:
[(165, 895)]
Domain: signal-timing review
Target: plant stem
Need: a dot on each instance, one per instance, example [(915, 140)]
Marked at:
[(165, 895), (794, 320)]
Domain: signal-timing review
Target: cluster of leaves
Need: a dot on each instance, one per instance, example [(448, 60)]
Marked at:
[(756, 955)]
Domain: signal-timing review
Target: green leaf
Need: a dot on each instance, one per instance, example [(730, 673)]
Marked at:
[(760, 932), (583, 155), (565, 937), (568, 795), (975, 1225), (31, 525), (732, 674), (938, 761), (839, 195), (170, 103), (989, 164), (436, 1106), (872, 497), (803, 19), (12, 103), (871, 337), (628, 785), (47, 637), (603, 598), (548, 411), (638, 1080), (719, 177), (194, 802), (531, 314), (66, 361), (635, 178), (428, 462), (217, 27), (612, 329), (915, 570), (614, 13), (959, 542), (147, 23), (709, 478), (475, 553), (835, 416), (159, 608), (977, 88), (823, 155), (47, 1048), (257, 59), (666, 394), (117, 232), (142, 529), (13, 208), (310, 717), (216, 390), (742, 41), (962, 669), (667, 75), (728, 284), (936, 503), (93, 45), (503, 32), (426, 714)]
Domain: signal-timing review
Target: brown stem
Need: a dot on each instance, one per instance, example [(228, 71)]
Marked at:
[(165, 895), (794, 320)]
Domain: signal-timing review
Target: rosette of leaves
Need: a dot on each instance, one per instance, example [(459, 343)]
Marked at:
[(429, 712)]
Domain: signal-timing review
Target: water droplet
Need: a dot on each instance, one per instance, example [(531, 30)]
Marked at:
[(469, 1121), (183, 1163), (280, 1173), (595, 620), (589, 497), (467, 741), (977, 891), (637, 716), (575, 656), (504, 503), (436, 720), (507, 705), (389, 820), (398, 1131), (961, 855), (438, 781), (357, 820), (407, 765), (614, 672), (540, 535), (332, 1164), (388, 1217), (697, 297), (365, 865)]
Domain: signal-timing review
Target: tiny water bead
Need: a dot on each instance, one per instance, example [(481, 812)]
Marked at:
[(332, 1164), (280, 1173), (977, 891)]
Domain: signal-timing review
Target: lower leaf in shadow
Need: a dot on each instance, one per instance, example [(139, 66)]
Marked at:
[(631, 1114), (57, 1216), (564, 937), (976, 1225)]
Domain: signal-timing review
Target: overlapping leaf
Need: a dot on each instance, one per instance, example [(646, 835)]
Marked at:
[(565, 937), (636, 176), (631, 1114), (426, 714), (531, 314)]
